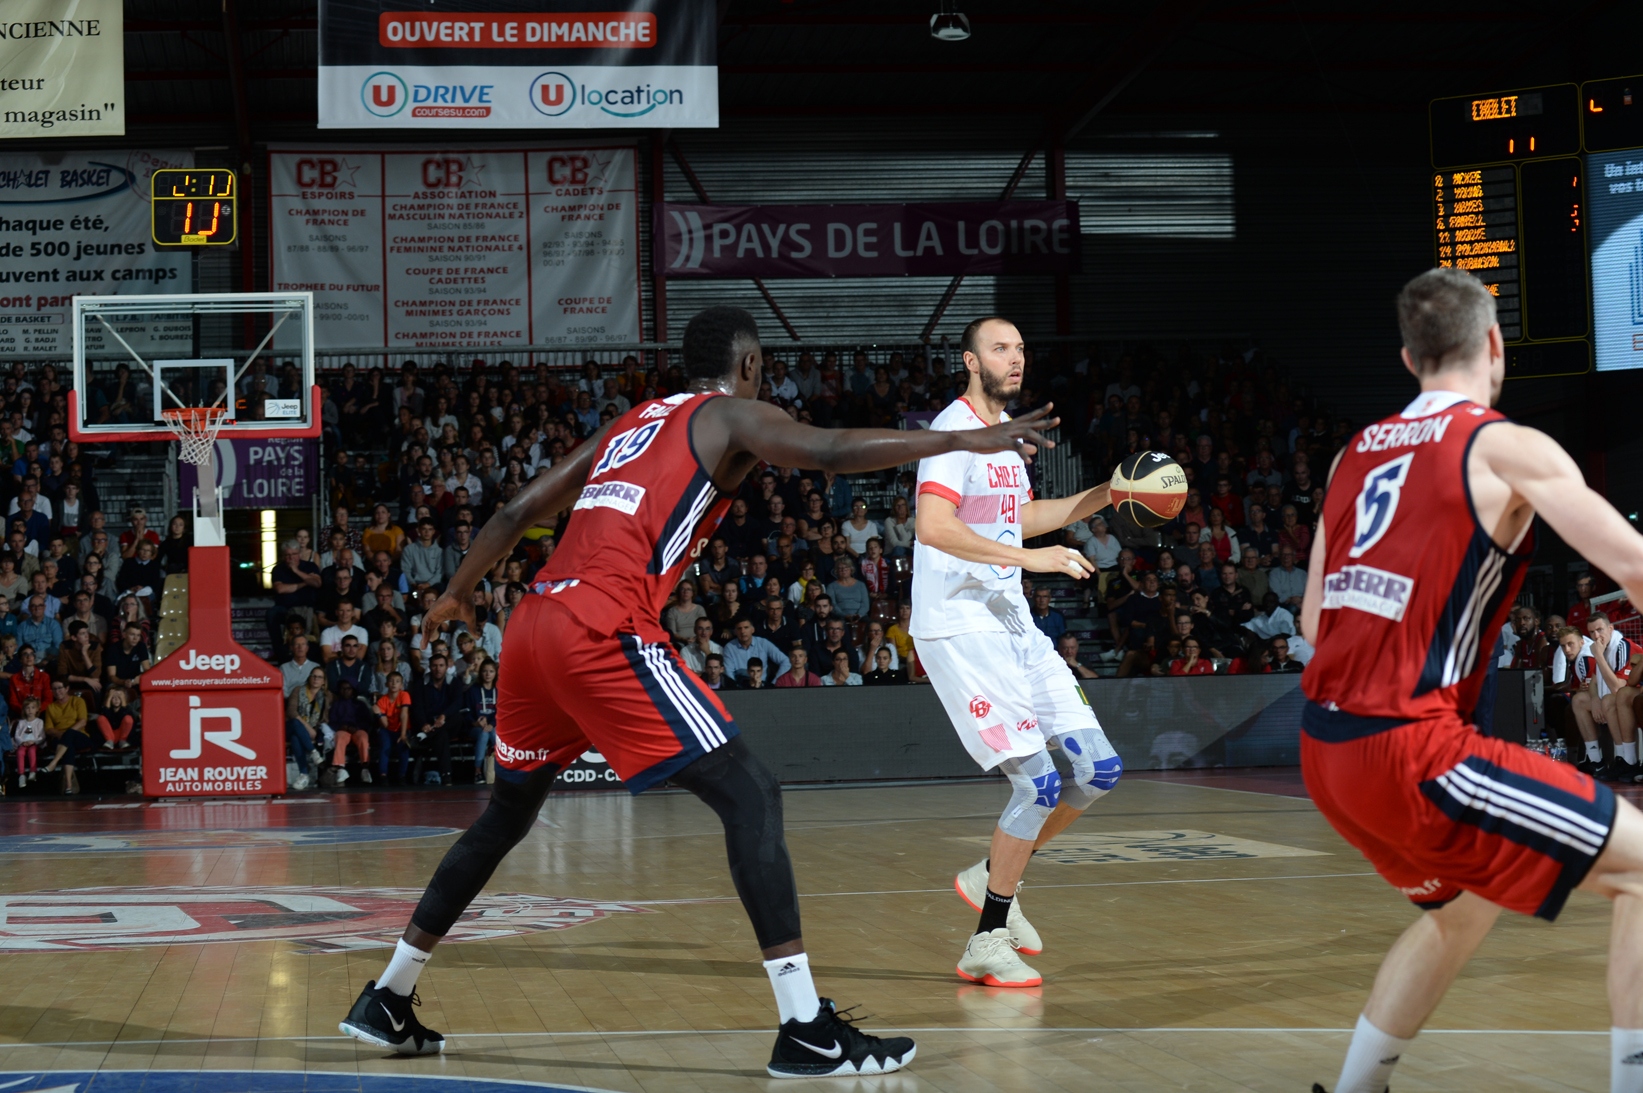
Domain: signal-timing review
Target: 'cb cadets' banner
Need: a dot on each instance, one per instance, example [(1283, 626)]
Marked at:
[(945, 239), (518, 64), (461, 247), (77, 223), (62, 68)]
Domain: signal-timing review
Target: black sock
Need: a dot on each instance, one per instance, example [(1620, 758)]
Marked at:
[(995, 911)]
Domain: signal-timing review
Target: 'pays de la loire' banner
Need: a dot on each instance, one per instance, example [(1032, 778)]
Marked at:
[(282, 472), (77, 223), (518, 64), (62, 68), (944, 239), (423, 249)]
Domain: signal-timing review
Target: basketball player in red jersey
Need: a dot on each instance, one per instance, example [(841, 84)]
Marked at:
[(1420, 552), (586, 663)]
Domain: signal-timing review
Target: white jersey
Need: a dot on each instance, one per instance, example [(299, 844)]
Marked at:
[(952, 596)]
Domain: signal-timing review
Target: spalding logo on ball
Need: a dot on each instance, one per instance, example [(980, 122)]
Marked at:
[(1149, 488)]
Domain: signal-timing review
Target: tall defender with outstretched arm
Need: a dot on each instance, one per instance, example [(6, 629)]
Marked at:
[(1422, 547), (586, 663)]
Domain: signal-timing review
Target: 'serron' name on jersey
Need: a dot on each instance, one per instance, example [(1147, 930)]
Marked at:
[(1414, 589), (648, 510)]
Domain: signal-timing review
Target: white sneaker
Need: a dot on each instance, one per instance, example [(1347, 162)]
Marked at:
[(365, 775), (971, 886), (342, 775), (990, 958)]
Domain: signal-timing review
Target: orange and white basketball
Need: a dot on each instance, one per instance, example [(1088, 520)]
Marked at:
[(1149, 488)]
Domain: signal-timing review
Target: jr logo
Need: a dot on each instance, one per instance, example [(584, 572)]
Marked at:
[(227, 739)]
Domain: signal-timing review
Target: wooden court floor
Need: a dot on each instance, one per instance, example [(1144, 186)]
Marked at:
[(1202, 932)]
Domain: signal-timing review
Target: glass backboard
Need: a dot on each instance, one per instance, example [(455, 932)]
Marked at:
[(251, 353)]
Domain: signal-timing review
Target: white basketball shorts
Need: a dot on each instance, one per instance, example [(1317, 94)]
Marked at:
[(1006, 694)]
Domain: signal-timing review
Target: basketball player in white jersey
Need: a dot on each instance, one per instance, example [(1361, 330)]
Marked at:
[(1011, 698)]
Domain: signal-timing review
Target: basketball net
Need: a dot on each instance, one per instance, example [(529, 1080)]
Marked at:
[(196, 429)]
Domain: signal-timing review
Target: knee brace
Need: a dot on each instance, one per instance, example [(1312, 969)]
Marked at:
[(469, 863), (748, 800), (1035, 789), (1095, 766)]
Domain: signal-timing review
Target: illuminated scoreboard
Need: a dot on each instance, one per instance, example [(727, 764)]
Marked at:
[(1509, 207), (194, 207)]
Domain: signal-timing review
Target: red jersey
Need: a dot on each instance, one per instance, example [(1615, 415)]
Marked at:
[(1414, 588), (648, 510)]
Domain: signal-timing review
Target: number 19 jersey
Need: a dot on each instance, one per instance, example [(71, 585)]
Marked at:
[(1414, 588)]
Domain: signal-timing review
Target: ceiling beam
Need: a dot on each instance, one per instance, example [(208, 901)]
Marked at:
[(1166, 22)]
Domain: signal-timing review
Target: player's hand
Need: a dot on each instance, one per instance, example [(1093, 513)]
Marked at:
[(1021, 434), (446, 608), (1058, 559)]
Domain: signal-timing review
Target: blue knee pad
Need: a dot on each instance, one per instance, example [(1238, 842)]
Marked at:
[(1095, 766), (1035, 787)]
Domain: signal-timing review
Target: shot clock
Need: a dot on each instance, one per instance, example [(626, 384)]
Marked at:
[(194, 207)]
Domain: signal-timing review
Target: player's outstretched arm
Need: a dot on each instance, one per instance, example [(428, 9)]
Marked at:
[(937, 525), (767, 432), (1043, 515), (1542, 476), (549, 493)]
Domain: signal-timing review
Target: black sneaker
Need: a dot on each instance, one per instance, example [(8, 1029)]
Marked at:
[(1616, 770), (1588, 766), (830, 1044), (385, 1019)]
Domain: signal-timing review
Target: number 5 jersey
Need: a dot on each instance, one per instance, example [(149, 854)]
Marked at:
[(1414, 588)]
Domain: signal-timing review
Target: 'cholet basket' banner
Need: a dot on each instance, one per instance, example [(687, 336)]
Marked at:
[(926, 240)]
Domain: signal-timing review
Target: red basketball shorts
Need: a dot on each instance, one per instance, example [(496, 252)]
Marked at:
[(1439, 809), (563, 690)]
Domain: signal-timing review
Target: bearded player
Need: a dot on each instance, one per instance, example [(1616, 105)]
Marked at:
[(586, 664), (1009, 694), (1422, 545)]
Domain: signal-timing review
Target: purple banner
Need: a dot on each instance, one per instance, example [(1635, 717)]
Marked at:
[(929, 240), (259, 474)]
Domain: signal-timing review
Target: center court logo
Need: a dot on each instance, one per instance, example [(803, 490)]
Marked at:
[(384, 94), (316, 920)]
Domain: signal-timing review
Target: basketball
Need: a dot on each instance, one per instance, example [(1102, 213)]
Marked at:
[(1149, 488)]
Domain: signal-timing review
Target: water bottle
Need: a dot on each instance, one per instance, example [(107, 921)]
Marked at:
[(1560, 751)]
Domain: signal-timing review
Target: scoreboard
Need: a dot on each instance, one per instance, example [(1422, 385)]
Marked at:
[(1538, 192)]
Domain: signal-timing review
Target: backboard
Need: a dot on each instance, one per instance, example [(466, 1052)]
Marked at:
[(249, 352)]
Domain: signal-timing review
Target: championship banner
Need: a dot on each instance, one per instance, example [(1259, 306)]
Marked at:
[(518, 64), (62, 68), (459, 248), (77, 223), (945, 240)]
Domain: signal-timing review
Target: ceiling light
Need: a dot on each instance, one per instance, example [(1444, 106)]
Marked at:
[(948, 25)]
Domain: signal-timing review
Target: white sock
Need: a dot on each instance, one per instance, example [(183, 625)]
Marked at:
[(404, 968), (795, 991), (1625, 1060), (1628, 752), (1370, 1059), (1594, 751)]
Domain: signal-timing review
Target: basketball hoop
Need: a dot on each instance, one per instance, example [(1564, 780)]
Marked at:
[(196, 429)]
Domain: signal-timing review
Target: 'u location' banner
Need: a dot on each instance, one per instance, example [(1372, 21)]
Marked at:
[(464, 247), (944, 239), (518, 64)]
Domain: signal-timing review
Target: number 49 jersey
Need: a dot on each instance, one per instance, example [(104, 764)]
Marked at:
[(1414, 588)]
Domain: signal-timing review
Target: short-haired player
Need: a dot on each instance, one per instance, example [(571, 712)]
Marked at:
[(1422, 546), (1014, 702), (588, 664)]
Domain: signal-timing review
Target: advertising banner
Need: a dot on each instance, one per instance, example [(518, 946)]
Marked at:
[(77, 223), (258, 474), (460, 248), (944, 239), (518, 64), (62, 68)]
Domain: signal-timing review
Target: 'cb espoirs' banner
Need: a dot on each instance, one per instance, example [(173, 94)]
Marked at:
[(518, 64)]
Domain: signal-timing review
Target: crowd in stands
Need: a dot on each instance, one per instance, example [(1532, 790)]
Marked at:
[(78, 593)]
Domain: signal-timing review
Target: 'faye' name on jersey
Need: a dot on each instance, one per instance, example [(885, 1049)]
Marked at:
[(1404, 434)]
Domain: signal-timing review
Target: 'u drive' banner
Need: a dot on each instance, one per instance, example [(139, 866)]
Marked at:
[(518, 64), (938, 239)]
